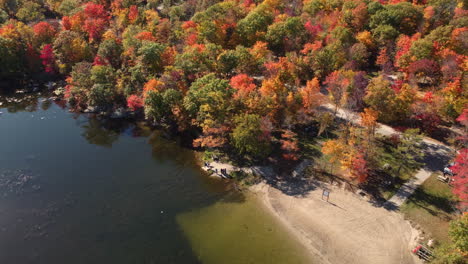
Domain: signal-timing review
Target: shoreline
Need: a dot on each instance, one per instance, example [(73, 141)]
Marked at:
[(345, 229), (333, 232), (261, 193)]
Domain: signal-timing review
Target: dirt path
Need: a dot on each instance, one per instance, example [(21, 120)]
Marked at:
[(346, 229)]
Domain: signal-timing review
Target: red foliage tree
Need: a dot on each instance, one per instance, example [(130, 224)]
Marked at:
[(383, 60), (289, 145), (248, 3), (44, 32), (359, 168), (403, 46), (313, 30), (188, 25), (428, 97), (337, 85), (429, 121), (133, 13), (463, 118), (99, 61), (243, 84), (212, 137), (32, 57), (425, 70), (96, 20), (145, 35), (460, 178), (48, 59), (311, 96), (134, 102), (66, 24), (360, 16)]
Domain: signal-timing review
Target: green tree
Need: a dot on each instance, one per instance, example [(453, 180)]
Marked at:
[(128, 37), (384, 33), (102, 92), (101, 95), (254, 25), (209, 100), (150, 56), (286, 35), (409, 150), (111, 51), (103, 74), (70, 48), (10, 6), (359, 54), (328, 59), (68, 7), (404, 17), (3, 16), (246, 62), (443, 10), (30, 11), (214, 18), (455, 252), (228, 60), (392, 106), (159, 105), (344, 35), (458, 232), (247, 136), (198, 59), (422, 49), (11, 59), (81, 83)]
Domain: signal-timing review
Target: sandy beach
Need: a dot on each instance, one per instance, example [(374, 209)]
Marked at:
[(346, 229)]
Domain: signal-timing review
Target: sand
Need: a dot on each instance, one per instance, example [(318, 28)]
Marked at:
[(346, 229)]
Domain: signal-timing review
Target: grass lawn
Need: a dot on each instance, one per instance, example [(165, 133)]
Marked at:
[(311, 145), (386, 156), (431, 207)]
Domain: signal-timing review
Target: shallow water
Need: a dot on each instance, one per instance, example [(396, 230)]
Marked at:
[(75, 189), (239, 232)]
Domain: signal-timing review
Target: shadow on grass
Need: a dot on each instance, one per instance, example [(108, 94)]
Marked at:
[(433, 204), (380, 182), (309, 140)]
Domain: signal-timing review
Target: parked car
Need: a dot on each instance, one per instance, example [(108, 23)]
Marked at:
[(447, 170)]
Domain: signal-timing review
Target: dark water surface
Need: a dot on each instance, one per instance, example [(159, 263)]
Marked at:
[(74, 189)]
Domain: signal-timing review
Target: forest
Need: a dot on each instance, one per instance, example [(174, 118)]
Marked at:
[(246, 68), (247, 77)]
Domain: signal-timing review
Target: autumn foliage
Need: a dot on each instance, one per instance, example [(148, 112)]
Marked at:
[(460, 178), (134, 102), (47, 57), (252, 77)]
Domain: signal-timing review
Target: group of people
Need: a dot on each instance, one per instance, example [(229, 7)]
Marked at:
[(222, 171)]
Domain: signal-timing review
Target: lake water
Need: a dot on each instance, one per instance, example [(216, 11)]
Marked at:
[(74, 189)]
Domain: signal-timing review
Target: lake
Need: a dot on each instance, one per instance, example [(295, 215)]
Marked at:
[(76, 189)]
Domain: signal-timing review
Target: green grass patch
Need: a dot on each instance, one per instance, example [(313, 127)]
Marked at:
[(431, 206), (385, 153), (311, 146)]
